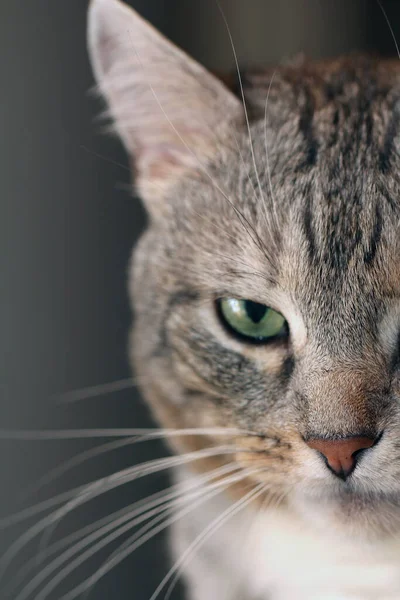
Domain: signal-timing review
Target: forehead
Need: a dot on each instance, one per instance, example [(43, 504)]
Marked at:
[(333, 242), (333, 126), (325, 146), (316, 181)]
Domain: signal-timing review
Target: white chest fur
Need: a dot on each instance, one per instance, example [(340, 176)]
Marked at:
[(273, 556)]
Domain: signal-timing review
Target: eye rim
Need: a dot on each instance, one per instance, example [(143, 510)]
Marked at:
[(281, 338)]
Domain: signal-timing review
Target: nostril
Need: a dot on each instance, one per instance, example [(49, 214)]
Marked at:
[(341, 455)]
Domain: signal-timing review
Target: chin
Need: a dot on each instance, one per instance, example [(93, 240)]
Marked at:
[(350, 513)]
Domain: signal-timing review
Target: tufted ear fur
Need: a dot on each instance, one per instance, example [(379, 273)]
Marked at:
[(166, 108)]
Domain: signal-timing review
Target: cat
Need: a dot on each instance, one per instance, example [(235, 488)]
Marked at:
[(266, 299)]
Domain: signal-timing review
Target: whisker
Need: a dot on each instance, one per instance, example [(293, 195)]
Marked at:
[(140, 538), (150, 435), (242, 263), (245, 167), (262, 197), (237, 212), (108, 447), (227, 514), (249, 534), (210, 222), (75, 549), (84, 494), (73, 434), (95, 390), (178, 567), (75, 461), (105, 158), (172, 491), (133, 473), (119, 531), (94, 453), (390, 26), (64, 542), (275, 216), (120, 527)]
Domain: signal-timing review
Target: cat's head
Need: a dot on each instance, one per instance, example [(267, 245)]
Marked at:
[(266, 289)]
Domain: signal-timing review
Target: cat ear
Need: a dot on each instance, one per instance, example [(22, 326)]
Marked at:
[(166, 108)]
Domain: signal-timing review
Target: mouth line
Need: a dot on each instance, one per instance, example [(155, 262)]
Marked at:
[(348, 494)]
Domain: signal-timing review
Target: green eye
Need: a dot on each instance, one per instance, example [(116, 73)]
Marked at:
[(256, 322)]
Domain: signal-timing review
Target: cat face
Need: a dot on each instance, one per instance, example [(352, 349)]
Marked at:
[(289, 208)]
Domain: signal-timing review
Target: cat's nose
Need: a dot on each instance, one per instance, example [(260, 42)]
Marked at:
[(341, 455)]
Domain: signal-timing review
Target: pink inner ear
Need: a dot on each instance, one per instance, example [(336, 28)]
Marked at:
[(162, 161), (159, 98)]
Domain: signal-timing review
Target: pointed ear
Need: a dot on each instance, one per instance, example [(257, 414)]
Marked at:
[(167, 109)]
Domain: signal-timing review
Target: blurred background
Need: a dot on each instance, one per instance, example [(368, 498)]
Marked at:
[(68, 223)]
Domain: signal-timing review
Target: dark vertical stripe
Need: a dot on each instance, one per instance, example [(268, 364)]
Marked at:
[(386, 151), (376, 235), (309, 229), (306, 128)]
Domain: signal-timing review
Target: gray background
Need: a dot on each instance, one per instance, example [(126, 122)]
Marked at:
[(68, 224)]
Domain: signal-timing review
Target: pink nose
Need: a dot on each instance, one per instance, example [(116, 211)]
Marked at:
[(341, 454)]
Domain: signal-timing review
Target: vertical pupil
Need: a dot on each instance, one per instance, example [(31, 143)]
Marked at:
[(255, 311)]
